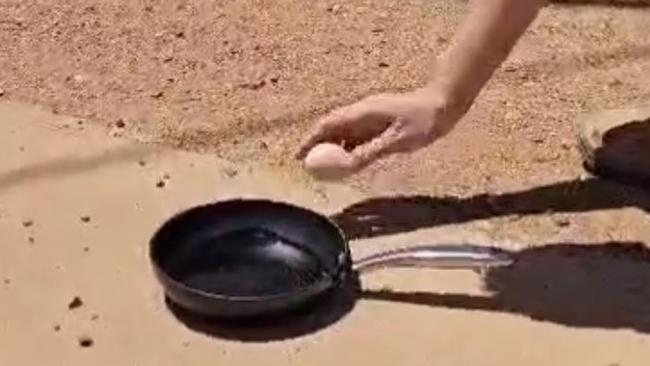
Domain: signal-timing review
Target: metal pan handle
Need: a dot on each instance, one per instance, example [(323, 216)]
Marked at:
[(439, 256)]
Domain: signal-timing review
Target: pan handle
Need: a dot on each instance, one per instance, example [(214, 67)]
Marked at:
[(439, 256)]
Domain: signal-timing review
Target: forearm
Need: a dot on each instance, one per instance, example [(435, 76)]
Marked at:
[(483, 42)]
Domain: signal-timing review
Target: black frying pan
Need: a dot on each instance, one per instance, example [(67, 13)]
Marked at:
[(245, 258)]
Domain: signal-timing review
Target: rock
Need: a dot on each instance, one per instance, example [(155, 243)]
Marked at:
[(56, 327), (120, 123), (2, 92), (95, 317), (383, 64), (31, 240), (142, 163), (161, 184), (157, 95), (334, 8), (230, 172), (28, 223), (562, 221), (616, 143), (85, 219), (85, 341), (75, 303)]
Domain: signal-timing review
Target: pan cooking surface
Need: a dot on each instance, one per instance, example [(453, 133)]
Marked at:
[(251, 262)]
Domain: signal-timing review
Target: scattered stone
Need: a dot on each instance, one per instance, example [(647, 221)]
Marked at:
[(231, 172), (142, 163), (31, 240), (179, 35), (562, 221), (75, 303), (56, 327), (334, 8), (383, 64), (85, 219), (148, 8), (166, 176), (378, 30), (161, 184), (95, 317), (274, 79), (7, 281), (28, 223), (80, 123), (2, 92), (86, 249), (157, 95), (86, 341), (120, 123)]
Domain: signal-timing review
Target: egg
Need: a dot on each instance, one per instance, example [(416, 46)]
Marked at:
[(329, 161)]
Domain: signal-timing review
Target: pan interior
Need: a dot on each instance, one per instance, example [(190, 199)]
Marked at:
[(248, 262)]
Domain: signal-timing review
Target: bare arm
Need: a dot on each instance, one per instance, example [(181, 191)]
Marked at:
[(385, 124), (482, 43)]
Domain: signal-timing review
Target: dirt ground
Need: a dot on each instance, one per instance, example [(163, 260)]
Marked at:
[(242, 81)]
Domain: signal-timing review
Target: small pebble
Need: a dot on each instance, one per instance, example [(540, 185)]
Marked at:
[(31, 240), (95, 317), (75, 303), (120, 123), (28, 223), (157, 95), (80, 122), (231, 172), (334, 8), (166, 176), (56, 327), (85, 341), (86, 249), (562, 221), (142, 163), (2, 92), (161, 184), (7, 281), (85, 219), (383, 64)]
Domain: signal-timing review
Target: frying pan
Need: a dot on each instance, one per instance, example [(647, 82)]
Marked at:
[(254, 258)]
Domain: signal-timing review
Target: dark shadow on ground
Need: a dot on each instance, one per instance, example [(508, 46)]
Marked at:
[(393, 215), (590, 285), (321, 313), (72, 165)]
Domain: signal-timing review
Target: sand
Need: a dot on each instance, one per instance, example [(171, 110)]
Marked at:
[(115, 115)]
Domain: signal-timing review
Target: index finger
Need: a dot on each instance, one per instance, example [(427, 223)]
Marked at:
[(330, 128)]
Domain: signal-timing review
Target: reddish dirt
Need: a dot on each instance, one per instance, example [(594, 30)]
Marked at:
[(246, 79)]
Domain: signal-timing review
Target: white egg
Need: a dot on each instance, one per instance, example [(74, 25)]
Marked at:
[(329, 161)]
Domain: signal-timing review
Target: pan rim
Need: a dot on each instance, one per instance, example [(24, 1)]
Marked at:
[(344, 264)]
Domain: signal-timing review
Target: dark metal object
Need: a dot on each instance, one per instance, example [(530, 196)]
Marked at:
[(246, 258)]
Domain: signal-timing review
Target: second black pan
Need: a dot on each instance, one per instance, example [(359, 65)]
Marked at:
[(250, 258)]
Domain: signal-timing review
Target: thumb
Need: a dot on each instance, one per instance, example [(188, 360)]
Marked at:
[(385, 144)]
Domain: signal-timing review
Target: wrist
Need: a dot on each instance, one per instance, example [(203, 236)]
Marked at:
[(451, 103)]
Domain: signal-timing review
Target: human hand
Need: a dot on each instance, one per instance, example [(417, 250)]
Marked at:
[(373, 128)]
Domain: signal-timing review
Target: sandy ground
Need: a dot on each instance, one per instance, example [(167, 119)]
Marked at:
[(231, 83)]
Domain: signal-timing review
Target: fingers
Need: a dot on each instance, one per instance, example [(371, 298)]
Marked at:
[(331, 128), (389, 142)]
